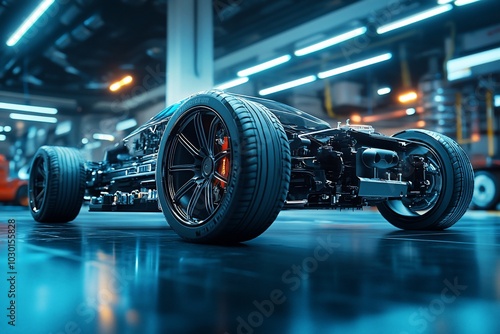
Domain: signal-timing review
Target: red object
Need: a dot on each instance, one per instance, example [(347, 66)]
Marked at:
[(10, 187)]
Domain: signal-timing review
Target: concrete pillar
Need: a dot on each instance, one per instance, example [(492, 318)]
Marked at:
[(190, 48)]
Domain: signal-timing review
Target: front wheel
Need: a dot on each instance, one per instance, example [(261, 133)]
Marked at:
[(223, 169), (450, 180)]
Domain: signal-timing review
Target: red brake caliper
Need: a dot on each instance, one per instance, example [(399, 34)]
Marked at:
[(224, 163)]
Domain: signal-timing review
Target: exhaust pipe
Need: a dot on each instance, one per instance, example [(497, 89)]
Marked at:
[(379, 158)]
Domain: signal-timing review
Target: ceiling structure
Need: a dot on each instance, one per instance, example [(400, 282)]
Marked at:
[(79, 47)]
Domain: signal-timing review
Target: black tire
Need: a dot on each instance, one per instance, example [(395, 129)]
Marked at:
[(451, 178), (56, 185), (486, 190), (22, 196), (213, 193)]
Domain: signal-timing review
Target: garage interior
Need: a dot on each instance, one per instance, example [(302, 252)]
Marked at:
[(86, 73)]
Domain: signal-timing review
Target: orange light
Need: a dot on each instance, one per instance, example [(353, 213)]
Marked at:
[(421, 124), (119, 84), (408, 97), (475, 137), (356, 118)]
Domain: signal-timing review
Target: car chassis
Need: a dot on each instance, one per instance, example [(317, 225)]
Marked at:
[(221, 166)]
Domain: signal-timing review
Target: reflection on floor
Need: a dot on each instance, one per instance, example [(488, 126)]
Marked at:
[(311, 272)]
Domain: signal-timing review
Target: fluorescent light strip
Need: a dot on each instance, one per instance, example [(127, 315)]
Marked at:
[(354, 66), (34, 118), (126, 124), (22, 107), (414, 18), (287, 85), (444, 2), (331, 41), (3, 137), (497, 100), (464, 2), (459, 74), (232, 83), (29, 22), (384, 91), (102, 136), (461, 67), (264, 66)]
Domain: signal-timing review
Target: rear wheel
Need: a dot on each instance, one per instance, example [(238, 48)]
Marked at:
[(56, 184), (223, 169), (450, 181), (486, 190)]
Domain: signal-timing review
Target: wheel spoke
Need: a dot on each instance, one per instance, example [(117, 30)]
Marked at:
[(191, 183), (39, 184), (195, 152), (40, 195), (209, 198), (220, 177), (184, 168), (212, 133), (221, 155), (200, 133), (194, 199), (41, 171)]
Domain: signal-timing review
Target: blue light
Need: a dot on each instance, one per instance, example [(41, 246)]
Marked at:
[(29, 22)]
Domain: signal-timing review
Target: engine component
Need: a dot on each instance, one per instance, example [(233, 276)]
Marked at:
[(379, 158)]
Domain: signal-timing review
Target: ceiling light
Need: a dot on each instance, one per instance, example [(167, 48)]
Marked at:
[(102, 136), (443, 2), (264, 66), (232, 83), (384, 91), (119, 84), (414, 18), (7, 128), (410, 111), (22, 107), (34, 118), (497, 100), (460, 74), (407, 97), (3, 137), (356, 118), (464, 2), (85, 141), (331, 41), (461, 67), (126, 124), (29, 22), (287, 85), (354, 66)]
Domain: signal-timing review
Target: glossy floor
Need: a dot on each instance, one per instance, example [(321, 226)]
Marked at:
[(311, 272)]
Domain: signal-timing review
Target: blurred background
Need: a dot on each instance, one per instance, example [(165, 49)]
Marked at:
[(84, 73)]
